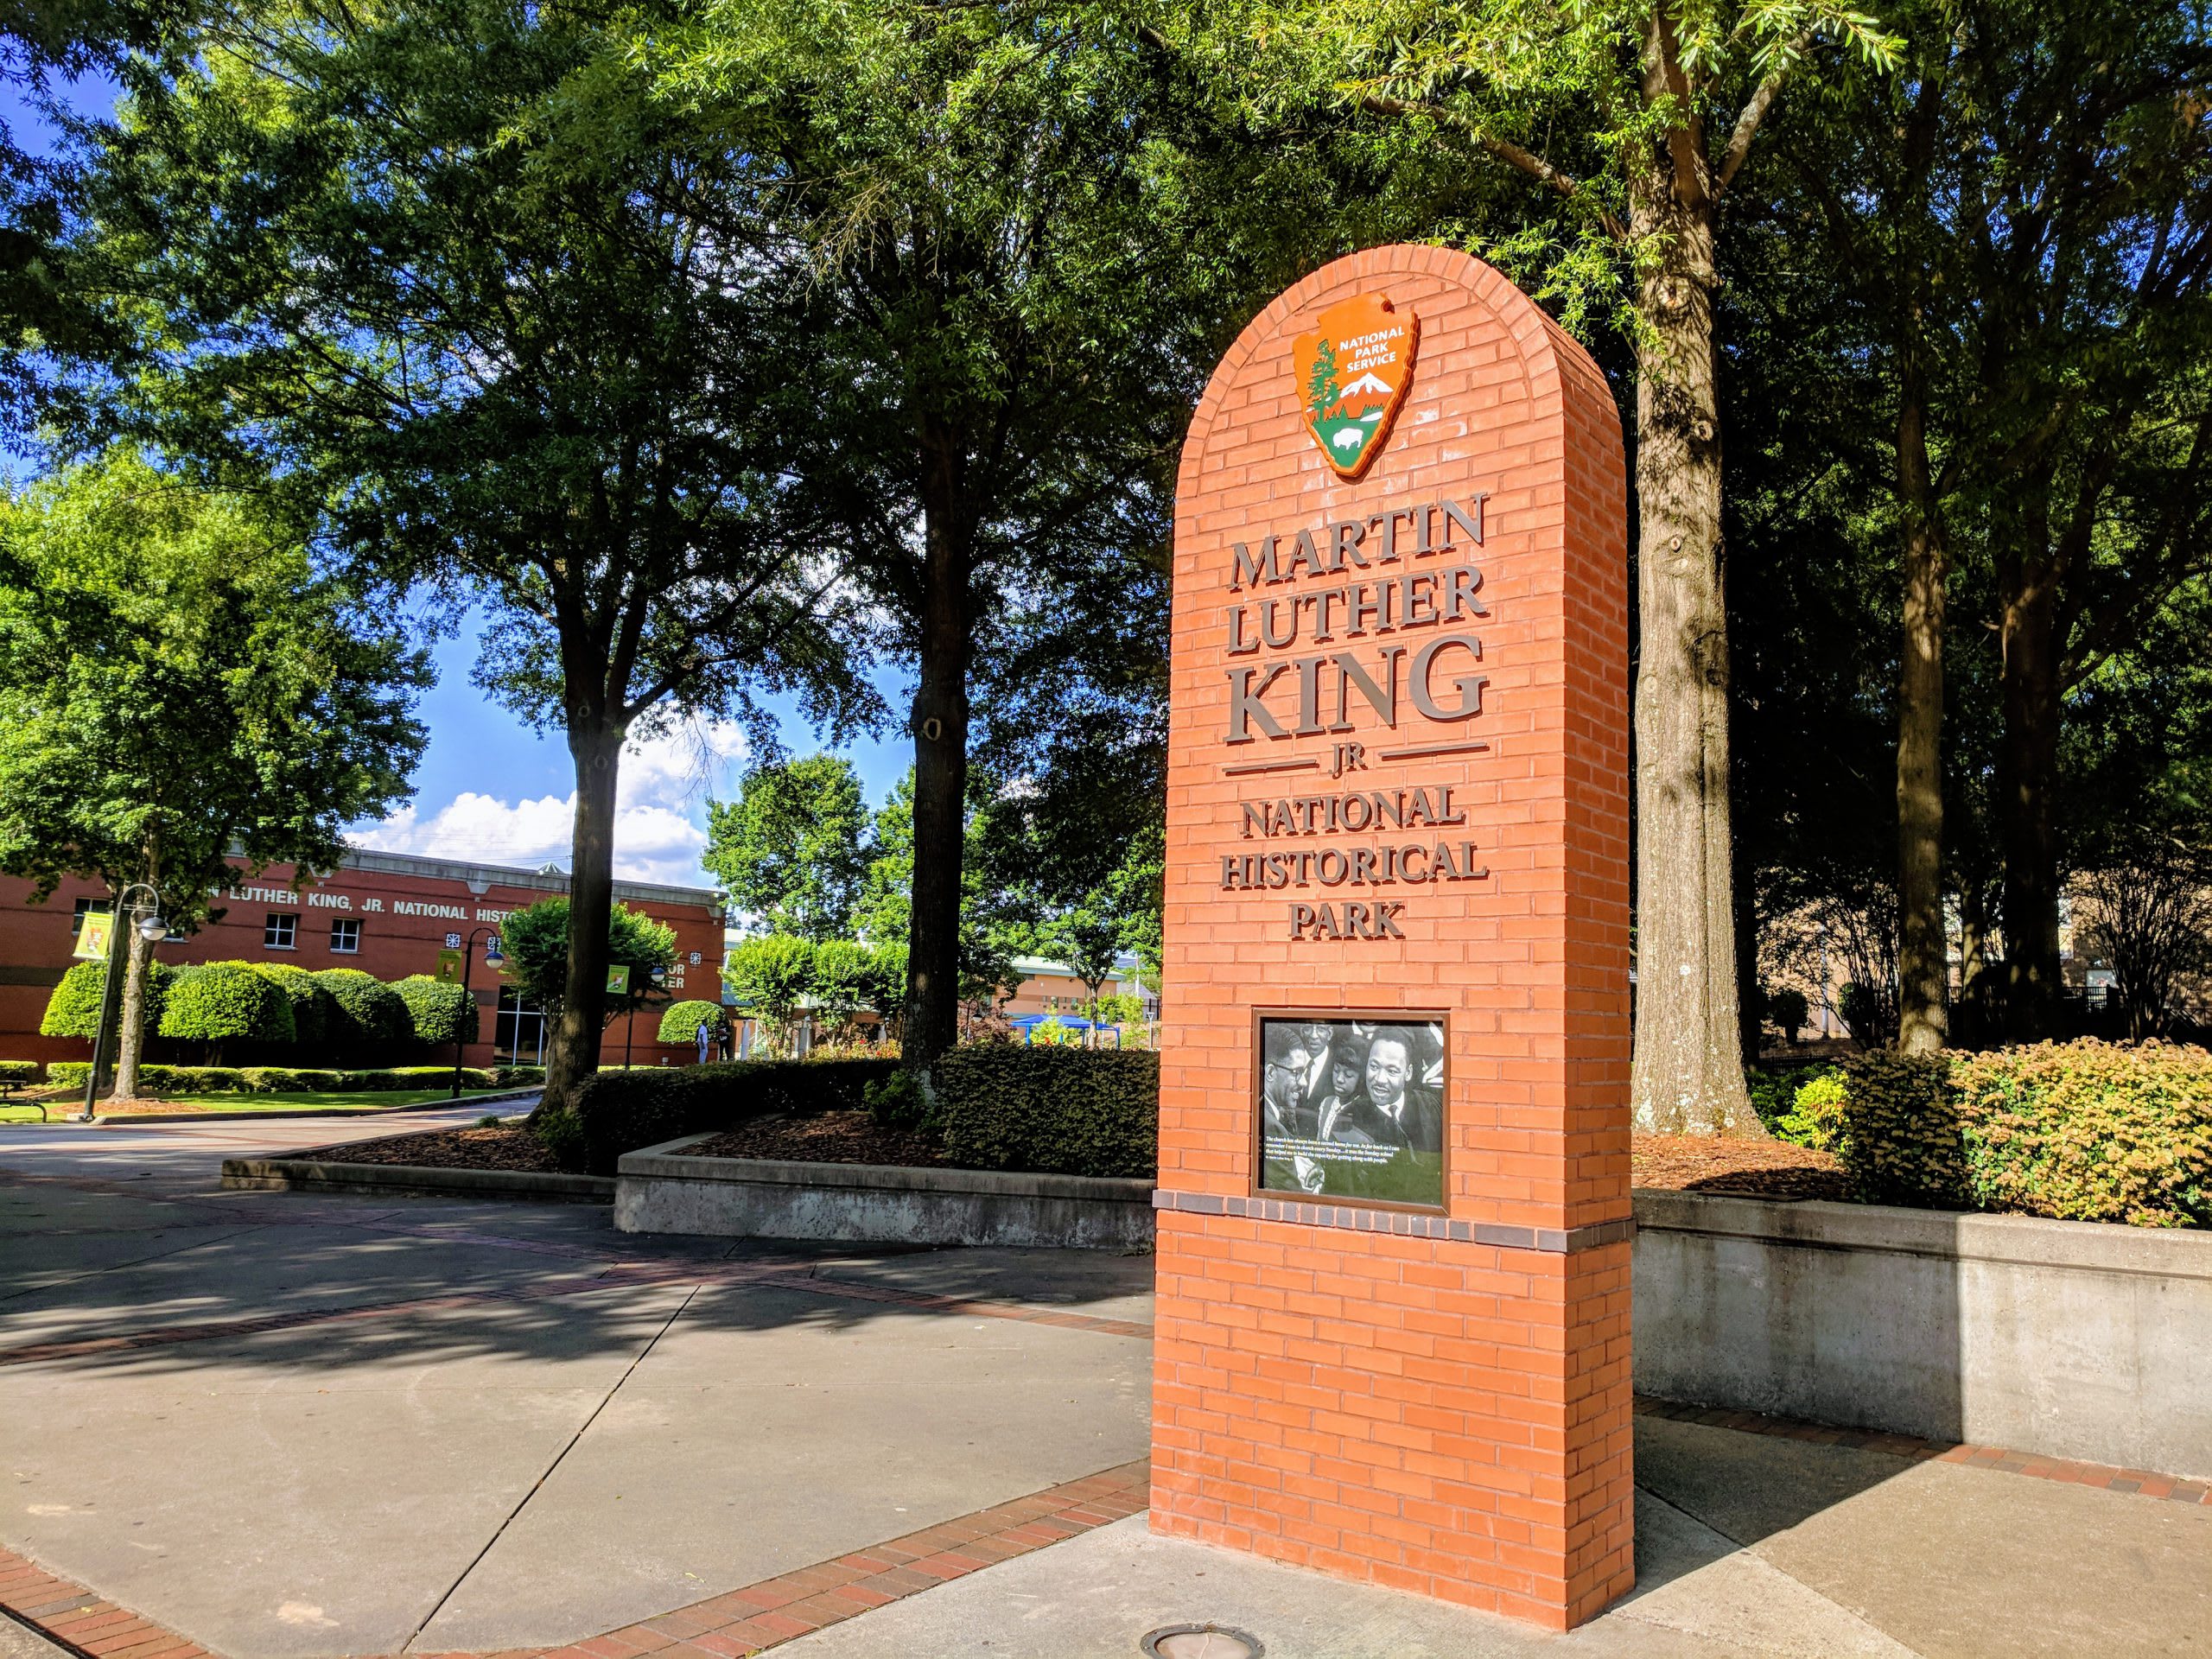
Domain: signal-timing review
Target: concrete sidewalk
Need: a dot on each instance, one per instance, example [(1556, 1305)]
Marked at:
[(297, 1427)]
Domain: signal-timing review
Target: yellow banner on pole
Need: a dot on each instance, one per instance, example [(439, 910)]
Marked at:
[(94, 936), (448, 967), (617, 979)]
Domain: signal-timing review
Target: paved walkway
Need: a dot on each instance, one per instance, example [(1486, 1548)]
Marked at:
[(285, 1425)]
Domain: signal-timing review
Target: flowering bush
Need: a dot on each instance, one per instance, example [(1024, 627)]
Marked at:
[(2079, 1131)]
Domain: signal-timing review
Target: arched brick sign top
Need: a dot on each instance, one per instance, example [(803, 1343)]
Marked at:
[(1393, 1329)]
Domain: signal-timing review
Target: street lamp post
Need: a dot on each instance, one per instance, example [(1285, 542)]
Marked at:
[(146, 918), (493, 958)]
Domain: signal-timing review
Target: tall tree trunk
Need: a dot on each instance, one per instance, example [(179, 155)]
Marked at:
[(131, 1043), (1974, 961), (931, 1024), (1688, 1074), (596, 746), (2028, 778), (1923, 965)]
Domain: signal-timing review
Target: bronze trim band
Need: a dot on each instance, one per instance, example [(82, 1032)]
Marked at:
[(1551, 1241)]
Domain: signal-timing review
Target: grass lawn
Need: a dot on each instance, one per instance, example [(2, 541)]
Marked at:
[(304, 1100)]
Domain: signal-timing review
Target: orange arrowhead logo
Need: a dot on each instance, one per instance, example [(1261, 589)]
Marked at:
[(1354, 370)]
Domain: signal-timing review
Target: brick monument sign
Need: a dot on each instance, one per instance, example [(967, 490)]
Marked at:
[(1393, 1326)]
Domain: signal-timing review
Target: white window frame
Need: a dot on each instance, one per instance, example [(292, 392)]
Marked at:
[(285, 923), (340, 926)]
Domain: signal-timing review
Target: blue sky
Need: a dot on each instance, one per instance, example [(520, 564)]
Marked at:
[(489, 789)]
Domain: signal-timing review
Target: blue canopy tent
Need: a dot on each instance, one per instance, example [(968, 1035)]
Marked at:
[(1026, 1024)]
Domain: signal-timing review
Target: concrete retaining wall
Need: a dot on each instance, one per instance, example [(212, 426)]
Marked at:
[(661, 1191), (2069, 1338)]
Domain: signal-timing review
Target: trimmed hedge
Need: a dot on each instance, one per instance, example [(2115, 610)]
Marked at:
[(18, 1071), (227, 1001), (682, 1021), (315, 1017), (1054, 1111), (296, 1080), (438, 1012), (372, 1017), (617, 1112), (74, 1009), (2079, 1131)]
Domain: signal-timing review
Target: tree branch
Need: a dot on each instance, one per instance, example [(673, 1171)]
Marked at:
[(1559, 184), (1747, 124)]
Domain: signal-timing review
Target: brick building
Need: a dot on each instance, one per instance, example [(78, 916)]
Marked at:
[(389, 914)]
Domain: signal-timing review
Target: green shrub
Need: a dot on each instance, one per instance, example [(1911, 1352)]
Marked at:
[(902, 1102), (682, 1021), (1815, 1116), (2081, 1131), (438, 1011), (68, 1074), (226, 1002), (372, 1018), (74, 1009), (288, 1080), (517, 1076), (1062, 1111), (1898, 1134), (2089, 1131), (315, 1019), (18, 1072), (617, 1112)]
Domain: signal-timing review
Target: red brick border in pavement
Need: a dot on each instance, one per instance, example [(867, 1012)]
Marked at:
[(774, 1611)]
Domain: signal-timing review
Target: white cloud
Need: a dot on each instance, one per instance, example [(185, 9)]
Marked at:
[(659, 814)]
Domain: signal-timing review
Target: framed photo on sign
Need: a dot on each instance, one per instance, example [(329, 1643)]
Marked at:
[(1351, 1106)]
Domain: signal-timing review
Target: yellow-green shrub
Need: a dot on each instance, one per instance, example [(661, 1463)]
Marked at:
[(2081, 1131), (2089, 1131)]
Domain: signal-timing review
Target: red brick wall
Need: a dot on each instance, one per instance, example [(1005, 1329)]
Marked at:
[(1436, 1402), (35, 941)]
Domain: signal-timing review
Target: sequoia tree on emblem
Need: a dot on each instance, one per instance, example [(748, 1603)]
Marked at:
[(1354, 369)]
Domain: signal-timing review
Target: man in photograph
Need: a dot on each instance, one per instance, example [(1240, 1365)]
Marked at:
[(1396, 1110), (1287, 1112)]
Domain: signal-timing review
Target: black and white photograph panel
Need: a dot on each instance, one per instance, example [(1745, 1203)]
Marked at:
[(1351, 1107)]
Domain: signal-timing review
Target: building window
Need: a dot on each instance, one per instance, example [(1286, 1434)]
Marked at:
[(345, 936), (519, 1032), (280, 931), (88, 907)]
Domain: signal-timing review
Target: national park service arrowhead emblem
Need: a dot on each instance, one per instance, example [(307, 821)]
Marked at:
[(1353, 372)]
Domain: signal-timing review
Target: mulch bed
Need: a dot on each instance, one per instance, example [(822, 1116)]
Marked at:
[(839, 1137), (1713, 1163), (1767, 1169), (501, 1148)]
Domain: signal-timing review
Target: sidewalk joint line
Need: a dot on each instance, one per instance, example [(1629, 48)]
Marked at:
[(539, 1485)]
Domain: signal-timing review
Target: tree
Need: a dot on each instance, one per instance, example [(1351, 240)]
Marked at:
[(996, 920), (1009, 323), (1087, 938), (372, 1021), (1634, 120), (225, 1003), (317, 1019), (181, 684), (540, 953), (406, 260), (438, 1011), (681, 1021), (2018, 219), (789, 848), (772, 978)]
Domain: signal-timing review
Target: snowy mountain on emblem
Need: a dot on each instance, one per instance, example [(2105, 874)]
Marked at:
[(1368, 382)]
